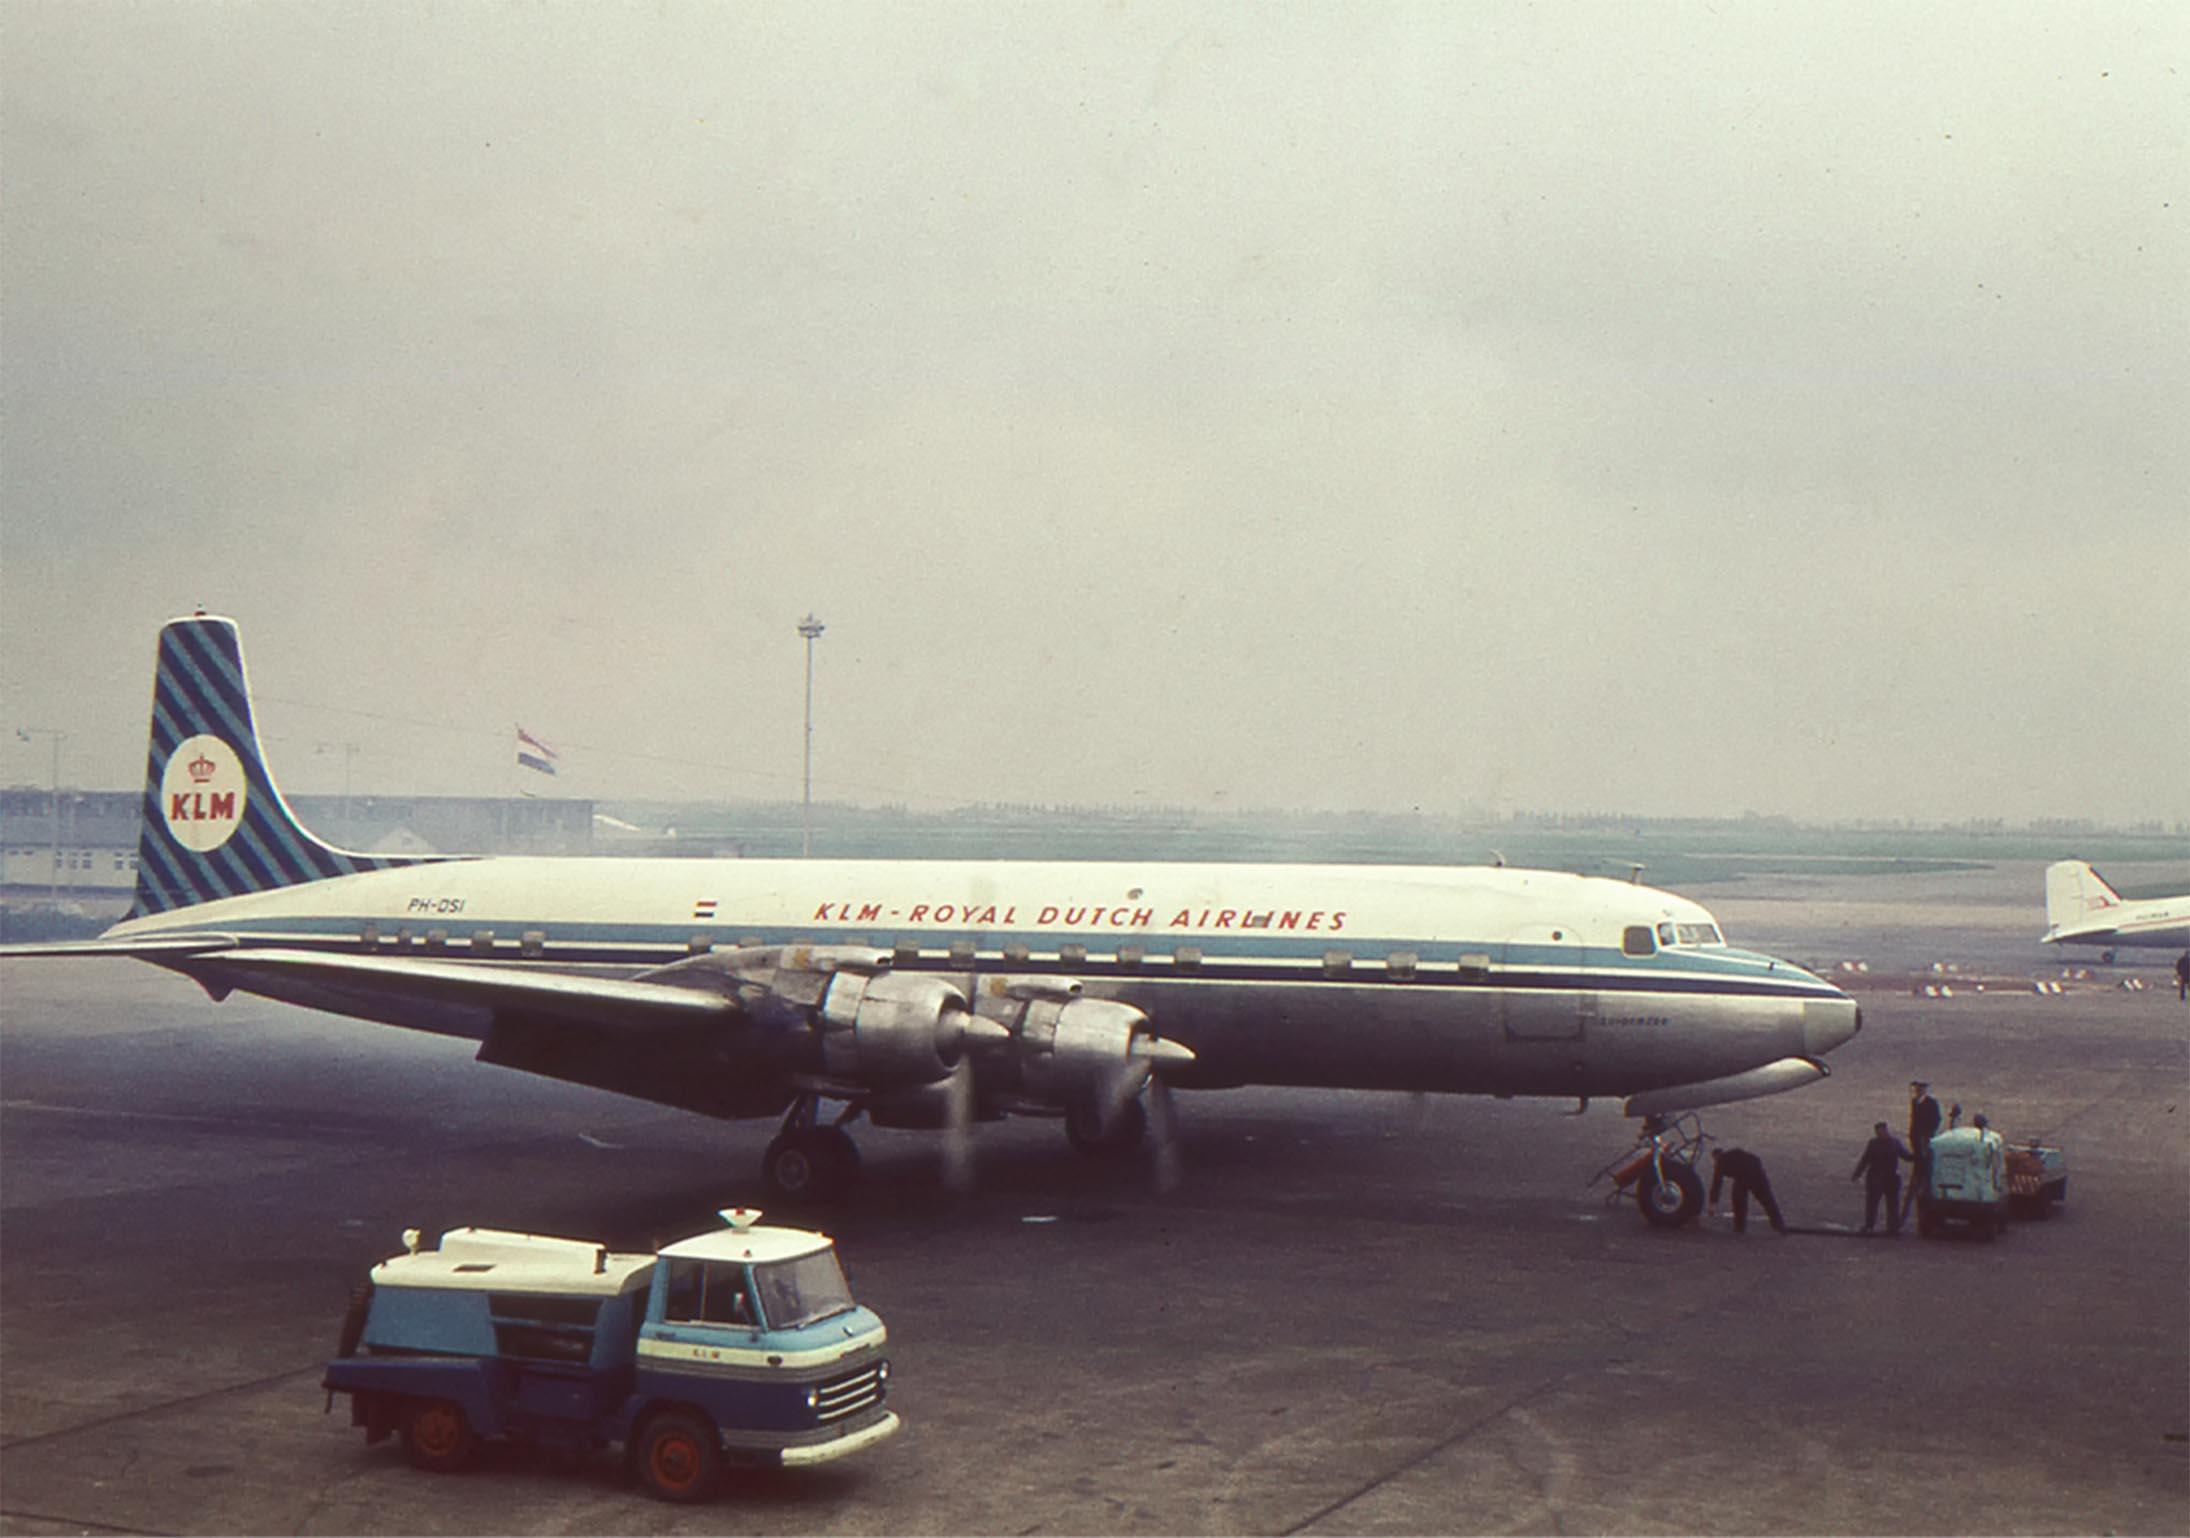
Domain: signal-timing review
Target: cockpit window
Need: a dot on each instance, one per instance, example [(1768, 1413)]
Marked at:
[(1666, 936), (1637, 940), (1699, 934)]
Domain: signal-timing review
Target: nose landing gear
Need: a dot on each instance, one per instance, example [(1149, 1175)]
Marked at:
[(1660, 1170)]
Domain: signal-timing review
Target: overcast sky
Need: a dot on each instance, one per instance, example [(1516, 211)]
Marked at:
[(1676, 409)]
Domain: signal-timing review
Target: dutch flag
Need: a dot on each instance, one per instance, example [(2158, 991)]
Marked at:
[(534, 754)]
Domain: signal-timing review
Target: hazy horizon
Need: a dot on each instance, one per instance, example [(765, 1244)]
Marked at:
[(1373, 407)]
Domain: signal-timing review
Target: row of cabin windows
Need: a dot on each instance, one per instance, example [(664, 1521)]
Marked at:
[(1635, 940)]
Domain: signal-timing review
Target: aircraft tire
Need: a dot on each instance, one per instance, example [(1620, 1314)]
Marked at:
[(1085, 1131), (679, 1457), (1674, 1201), (437, 1436), (810, 1164)]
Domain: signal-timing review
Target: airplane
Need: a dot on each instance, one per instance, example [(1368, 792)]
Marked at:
[(939, 993), (2083, 909)]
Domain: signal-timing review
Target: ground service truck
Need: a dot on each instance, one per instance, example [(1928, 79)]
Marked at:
[(742, 1345)]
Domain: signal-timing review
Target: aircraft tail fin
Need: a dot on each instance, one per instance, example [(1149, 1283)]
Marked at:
[(213, 824), (2076, 895)]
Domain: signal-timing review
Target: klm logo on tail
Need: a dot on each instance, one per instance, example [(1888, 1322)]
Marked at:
[(214, 825)]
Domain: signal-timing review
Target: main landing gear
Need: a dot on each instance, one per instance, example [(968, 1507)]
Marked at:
[(807, 1161), (1660, 1170), (812, 1160)]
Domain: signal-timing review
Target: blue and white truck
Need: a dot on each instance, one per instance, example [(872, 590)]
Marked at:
[(743, 1345)]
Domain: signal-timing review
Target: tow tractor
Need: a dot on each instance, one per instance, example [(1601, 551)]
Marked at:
[(1660, 1170), (738, 1346)]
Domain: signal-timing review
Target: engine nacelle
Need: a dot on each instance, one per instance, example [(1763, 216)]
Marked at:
[(891, 1027), (1067, 1046)]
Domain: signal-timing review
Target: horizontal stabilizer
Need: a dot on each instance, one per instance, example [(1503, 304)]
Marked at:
[(1772, 1079), (151, 948), (596, 1000)]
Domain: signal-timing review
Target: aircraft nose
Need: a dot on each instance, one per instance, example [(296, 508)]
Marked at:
[(1829, 1023)]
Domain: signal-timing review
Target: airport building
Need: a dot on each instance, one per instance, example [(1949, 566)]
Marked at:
[(82, 844)]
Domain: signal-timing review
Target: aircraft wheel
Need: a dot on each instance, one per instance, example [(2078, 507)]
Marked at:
[(680, 1457), (1673, 1201), (1087, 1133), (809, 1164), (438, 1437)]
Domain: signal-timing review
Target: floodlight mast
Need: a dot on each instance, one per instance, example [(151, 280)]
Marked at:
[(811, 629)]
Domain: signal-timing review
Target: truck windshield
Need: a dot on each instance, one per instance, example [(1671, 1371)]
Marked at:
[(796, 1292)]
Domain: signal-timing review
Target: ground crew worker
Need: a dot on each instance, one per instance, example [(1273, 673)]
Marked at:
[(1923, 1125), (1746, 1171), (1880, 1171), (2182, 976)]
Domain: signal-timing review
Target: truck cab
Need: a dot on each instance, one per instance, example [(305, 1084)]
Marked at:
[(743, 1345)]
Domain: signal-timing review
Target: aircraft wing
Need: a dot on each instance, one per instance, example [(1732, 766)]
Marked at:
[(482, 984)]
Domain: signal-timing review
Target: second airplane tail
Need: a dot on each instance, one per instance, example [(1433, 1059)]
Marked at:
[(2076, 895), (213, 824)]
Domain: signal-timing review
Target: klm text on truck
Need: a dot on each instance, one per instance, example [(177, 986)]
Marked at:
[(742, 1345)]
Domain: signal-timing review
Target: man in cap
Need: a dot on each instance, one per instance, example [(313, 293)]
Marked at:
[(1923, 1123)]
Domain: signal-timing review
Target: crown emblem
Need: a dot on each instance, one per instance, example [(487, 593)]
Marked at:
[(201, 768)]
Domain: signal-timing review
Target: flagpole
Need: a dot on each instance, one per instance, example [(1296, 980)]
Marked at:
[(811, 629)]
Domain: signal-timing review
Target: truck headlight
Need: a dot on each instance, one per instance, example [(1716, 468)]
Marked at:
[(813, 1398)]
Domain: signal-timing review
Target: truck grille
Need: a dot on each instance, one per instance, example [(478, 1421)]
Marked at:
[(850, 1394)]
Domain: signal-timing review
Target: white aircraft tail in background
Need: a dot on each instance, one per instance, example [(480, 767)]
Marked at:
[(2083, 909)]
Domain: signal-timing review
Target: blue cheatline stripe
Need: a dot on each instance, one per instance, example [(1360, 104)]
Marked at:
[(643, 944), (199, 688)]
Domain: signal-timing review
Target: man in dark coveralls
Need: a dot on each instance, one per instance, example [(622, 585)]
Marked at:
[(1923, 1122), (1880, 1171), (1746, 1171)]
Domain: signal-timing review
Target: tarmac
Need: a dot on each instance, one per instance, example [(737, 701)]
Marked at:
[(1353, 1313)]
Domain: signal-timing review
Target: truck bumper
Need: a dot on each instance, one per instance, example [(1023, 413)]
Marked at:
[(844, 1446)]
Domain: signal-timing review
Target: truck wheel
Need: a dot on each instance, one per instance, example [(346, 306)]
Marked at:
[(1673, 1201), (680, 1457), (437, 1437)]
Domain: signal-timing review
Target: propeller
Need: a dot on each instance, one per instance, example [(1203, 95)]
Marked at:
[(958, 1127), (1163, 1128)]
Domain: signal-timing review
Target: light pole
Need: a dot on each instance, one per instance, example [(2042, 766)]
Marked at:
[(25, 733), (811, 629)]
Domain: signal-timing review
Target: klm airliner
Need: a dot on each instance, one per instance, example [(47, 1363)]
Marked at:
[(936, 994)]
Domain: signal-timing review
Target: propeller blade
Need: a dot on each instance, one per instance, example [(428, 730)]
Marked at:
[(958, 1127), (1165, 1128)]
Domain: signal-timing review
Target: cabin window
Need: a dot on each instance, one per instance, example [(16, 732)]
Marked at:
[(1401, 964), (1637, 940), (1072, 955), (1337, 963), (1187, 956)]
